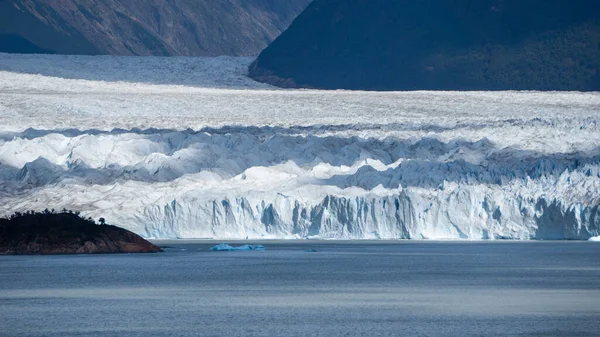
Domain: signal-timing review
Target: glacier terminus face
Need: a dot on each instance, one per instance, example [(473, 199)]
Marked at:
[(191, 148)]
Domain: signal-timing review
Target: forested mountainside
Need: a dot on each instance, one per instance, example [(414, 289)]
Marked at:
[(144, 27), (438, 44)]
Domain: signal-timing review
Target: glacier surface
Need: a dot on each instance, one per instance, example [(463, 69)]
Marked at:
[(191, 148)]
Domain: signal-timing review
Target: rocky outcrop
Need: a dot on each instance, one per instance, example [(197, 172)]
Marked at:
[(149, 27), (438, 45), (66, 233)]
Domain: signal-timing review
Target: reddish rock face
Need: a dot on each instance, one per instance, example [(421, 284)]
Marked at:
[(66, 233)]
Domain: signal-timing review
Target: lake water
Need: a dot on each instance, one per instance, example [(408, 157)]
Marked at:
[(396, 288)]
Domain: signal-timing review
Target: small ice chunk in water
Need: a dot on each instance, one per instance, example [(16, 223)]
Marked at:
[(595, 238), (225, 247)]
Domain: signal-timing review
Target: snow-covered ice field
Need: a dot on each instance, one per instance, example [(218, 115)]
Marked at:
[(191, 148)]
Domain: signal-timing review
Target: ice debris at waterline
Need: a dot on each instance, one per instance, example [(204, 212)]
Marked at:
[(204, 159), (595, 238), (226, 248)]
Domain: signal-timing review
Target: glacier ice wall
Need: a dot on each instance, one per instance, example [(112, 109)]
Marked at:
[(201, 159), (262, 183)]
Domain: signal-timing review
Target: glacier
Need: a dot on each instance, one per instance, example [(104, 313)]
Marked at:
[(192, 148)]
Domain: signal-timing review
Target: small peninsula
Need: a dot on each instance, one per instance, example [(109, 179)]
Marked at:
[(66, 232)]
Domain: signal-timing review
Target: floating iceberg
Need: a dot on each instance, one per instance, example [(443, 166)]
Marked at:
[(595, 238), (227, 248)]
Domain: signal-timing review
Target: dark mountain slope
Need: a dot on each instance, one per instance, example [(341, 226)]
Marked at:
[(147, 27), (10, 43), (438, 44), (23, 32)]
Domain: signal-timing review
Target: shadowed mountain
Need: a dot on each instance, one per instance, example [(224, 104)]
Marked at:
[(23, 31), (148, 27), (438, 45), (17, 44)]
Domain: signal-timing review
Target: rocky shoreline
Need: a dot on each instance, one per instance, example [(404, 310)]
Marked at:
[(66, 233)]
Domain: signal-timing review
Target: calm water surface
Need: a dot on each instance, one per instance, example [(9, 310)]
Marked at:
[(345, 289)]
